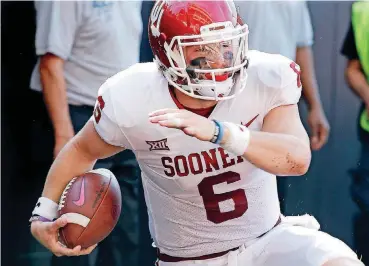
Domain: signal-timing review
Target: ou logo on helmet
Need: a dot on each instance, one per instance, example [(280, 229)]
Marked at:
[(156, 14)]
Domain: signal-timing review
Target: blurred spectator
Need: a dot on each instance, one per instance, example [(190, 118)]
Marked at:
[(80, 44), (284, 27), (356, 49)]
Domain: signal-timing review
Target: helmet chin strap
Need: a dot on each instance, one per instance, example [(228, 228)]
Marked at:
[(204, 88)]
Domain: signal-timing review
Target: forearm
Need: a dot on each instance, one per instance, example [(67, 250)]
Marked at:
[(358, 83), (76, 158), (279, 154), (281, 147), (55, 96), (69, 163), (304, 59)]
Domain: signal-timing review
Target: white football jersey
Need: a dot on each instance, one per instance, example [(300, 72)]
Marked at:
[(200, 198)]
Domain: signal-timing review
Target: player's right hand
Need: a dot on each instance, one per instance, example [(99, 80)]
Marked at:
[(47, 234)]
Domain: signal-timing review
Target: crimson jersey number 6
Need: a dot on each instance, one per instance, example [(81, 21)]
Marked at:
[(212, 200)]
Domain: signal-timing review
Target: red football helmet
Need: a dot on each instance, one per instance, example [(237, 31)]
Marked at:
[(210, 31)]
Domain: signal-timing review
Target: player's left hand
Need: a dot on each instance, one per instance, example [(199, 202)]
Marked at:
[(190, 123), (319, 128)]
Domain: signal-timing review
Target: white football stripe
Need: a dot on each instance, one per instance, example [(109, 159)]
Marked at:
[(76, 218)]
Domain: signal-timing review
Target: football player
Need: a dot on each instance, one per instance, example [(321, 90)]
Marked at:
[(211, 125)]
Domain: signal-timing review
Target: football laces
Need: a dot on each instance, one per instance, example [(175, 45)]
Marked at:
[(64, 195)]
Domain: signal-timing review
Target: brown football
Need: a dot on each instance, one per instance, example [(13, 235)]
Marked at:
[(92, 202)]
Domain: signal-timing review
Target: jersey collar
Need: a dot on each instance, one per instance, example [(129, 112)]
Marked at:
[(202, 111)]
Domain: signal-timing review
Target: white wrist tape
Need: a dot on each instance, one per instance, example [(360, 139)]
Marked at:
[(46, 208), (239, 139)]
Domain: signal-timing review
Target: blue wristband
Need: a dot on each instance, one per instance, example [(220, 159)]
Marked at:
[(221, 132)]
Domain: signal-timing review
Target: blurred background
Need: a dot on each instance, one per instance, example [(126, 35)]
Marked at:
[(325, 191)]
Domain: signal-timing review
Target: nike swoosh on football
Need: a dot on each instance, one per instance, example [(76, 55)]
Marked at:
[(250, 122), (81, 199)]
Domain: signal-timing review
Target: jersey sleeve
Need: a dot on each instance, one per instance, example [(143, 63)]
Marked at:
[(105, 119), (57, 24), (304, 31), (287, 87), (122, 105)]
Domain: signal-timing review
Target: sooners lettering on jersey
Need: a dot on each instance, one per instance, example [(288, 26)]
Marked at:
[(198, 163), (200, 198)]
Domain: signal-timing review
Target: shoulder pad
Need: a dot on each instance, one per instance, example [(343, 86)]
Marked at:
[(274, 70)]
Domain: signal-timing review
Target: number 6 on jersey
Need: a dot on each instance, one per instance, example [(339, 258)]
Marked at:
[(212, 201)]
